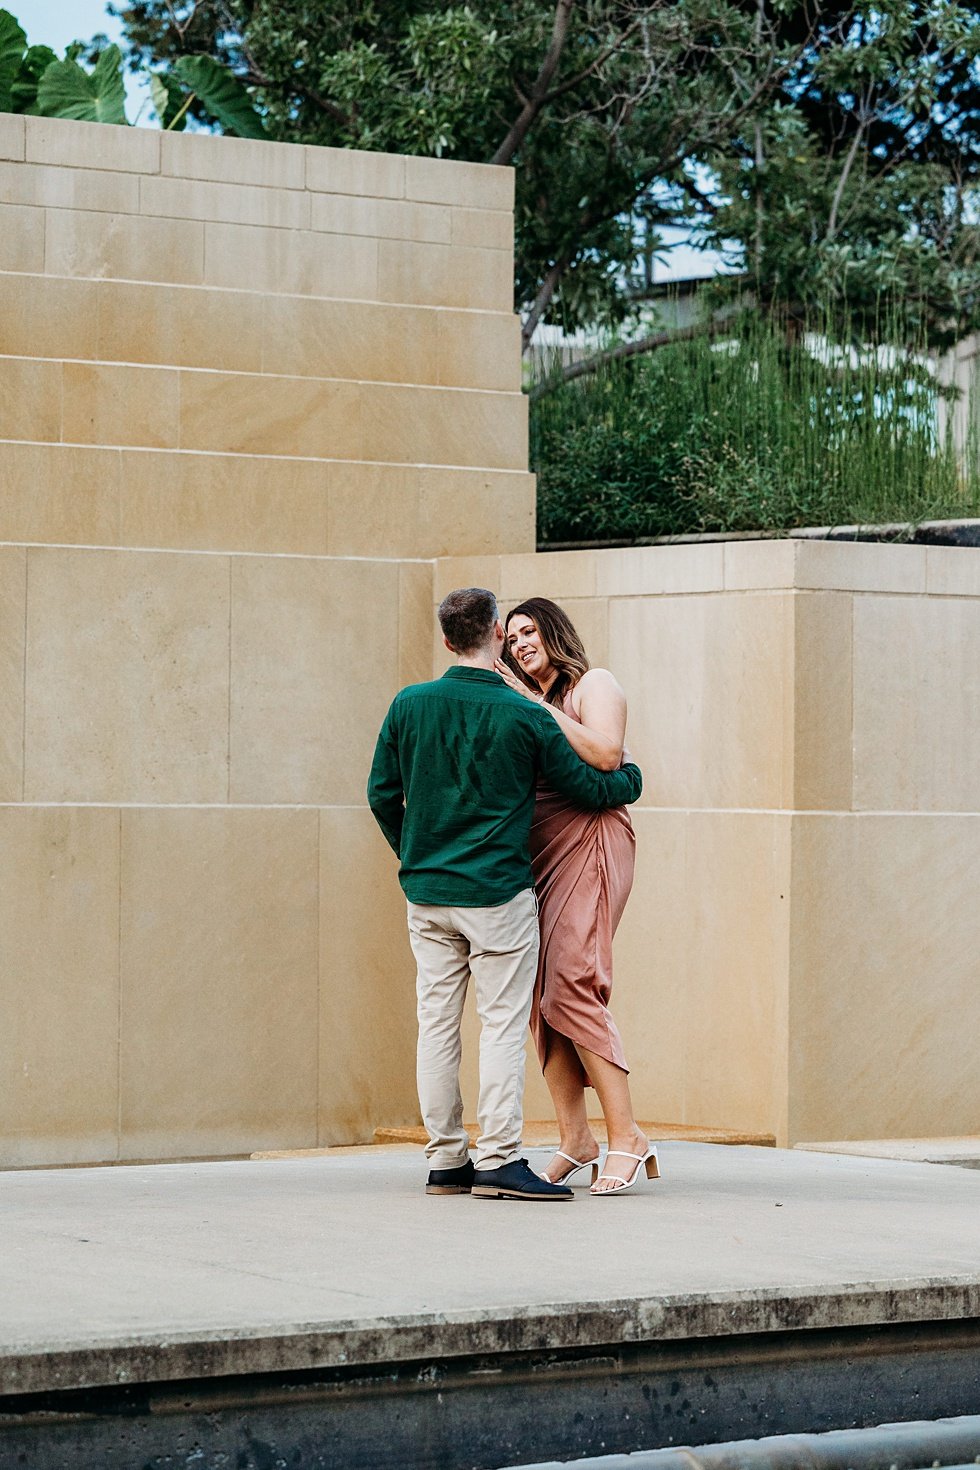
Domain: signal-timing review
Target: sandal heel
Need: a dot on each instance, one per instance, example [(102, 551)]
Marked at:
[(653, 1165)]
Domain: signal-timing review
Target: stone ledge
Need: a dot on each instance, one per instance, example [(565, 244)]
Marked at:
[(542, 1134)]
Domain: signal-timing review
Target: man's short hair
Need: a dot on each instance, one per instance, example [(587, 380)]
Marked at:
[(466, 618)]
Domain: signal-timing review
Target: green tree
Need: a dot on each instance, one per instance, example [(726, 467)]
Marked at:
[(599, 104), (859, 184), (831, 149)]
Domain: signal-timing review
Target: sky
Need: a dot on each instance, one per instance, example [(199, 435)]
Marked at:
[(57, 23)]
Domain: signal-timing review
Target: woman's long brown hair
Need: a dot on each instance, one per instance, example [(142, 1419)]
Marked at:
[(561, 643)]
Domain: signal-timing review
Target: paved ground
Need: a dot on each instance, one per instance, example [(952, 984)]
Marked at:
[(167, 1270)]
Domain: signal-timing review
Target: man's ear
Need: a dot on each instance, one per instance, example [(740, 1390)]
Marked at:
[(448, 644), (498, 631)]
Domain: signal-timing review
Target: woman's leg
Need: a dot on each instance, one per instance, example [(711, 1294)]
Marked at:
[(612, 1088), (563, 1074)]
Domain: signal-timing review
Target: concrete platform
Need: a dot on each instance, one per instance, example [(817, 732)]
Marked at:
[(339, 1269), (963, 1152)]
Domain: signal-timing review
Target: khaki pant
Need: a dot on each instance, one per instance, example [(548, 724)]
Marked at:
[(499, 948)]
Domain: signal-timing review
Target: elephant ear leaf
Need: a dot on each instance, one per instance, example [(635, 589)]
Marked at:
[(23, 93), (221, 94), (13, 44), (168, 100), (67, 90)]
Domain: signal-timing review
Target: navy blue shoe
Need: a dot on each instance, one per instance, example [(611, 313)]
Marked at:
[(516, 1181), (451, 1181)]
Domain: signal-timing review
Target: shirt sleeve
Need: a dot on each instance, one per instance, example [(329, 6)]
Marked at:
[(385, 790), (576, 779)]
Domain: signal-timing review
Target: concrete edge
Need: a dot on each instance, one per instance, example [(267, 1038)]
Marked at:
[(227, 1352)]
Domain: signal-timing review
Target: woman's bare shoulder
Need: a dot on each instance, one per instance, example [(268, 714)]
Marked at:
[(599, 689), (599, 679)]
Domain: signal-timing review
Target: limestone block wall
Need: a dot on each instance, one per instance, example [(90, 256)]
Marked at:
[(245, 389), (800, 950)]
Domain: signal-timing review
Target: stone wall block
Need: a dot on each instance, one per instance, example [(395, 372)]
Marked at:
[(233, 160), (12, 130), (60, 493), (241, 204), (69, 188), (30, 399), (127, 677), (342, 171), (219, 980), (214, 502), (445, 275), (92, 145), (916, 704), (489, 229), (883, 1009), (22, 238), (45, 317), (367, 984), (474, 185), (59, 985), (314, 652), (386, 219), (117, 404), (178, 327), (709, 680), (123, 246), (291, 262), (312, 337)]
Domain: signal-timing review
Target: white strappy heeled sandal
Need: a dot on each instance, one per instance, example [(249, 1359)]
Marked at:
[(577, 1167), (648, 1160)]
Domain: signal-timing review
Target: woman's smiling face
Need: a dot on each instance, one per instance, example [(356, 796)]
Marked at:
[(527, 649)]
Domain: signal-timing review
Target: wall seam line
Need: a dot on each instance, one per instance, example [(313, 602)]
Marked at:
[(23, 685), (119, 989), (319, 999), (231, 575)]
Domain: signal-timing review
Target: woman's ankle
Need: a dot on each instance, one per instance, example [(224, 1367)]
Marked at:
[(582, 1147)]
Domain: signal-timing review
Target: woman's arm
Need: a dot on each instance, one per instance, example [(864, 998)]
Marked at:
[(600, 704)]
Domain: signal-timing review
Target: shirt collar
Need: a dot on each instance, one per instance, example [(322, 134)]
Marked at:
[(482, 676)]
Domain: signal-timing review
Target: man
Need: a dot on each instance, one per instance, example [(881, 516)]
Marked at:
[(452, 788)]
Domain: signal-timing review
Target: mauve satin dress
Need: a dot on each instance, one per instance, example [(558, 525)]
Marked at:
[(583, 873)]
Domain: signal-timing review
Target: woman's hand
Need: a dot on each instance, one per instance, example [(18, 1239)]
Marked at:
[(513, 682)]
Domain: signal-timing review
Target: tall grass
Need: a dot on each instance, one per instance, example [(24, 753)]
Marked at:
[(769, 428)]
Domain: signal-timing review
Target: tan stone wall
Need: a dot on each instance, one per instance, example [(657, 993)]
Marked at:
[(243, 388), (800, 951), (259, 407)]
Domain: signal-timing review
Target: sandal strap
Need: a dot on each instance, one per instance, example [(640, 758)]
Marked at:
[(579, 1163), (623, 1154)]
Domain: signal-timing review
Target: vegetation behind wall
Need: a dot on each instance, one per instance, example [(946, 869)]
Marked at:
[(774, 425)]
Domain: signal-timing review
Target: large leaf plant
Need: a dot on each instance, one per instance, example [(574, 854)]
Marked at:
[(34, 80)]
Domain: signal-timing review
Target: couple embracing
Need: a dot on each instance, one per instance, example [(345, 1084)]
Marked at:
[(502, 789)]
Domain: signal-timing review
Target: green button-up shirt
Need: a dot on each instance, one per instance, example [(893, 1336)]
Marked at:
[(452, 786)]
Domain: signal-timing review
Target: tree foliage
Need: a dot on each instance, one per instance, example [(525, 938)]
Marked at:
[(830, 148), (600, 105), (860, 182)]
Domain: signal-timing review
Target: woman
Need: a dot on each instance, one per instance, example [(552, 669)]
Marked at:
[(583, 871)]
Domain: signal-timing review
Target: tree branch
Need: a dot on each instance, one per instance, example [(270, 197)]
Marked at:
[(641, 345), (542, 301), (539, 92)]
